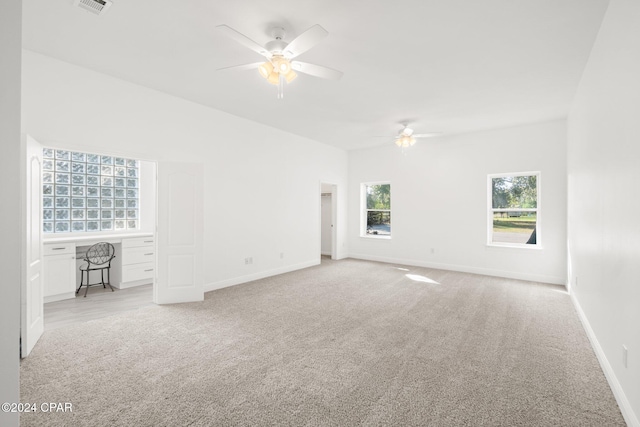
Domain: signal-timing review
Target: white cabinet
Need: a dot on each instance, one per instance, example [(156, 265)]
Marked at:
[(59, 264), (138, 261)]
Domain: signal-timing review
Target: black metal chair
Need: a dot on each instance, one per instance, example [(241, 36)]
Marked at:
[(97, 257)]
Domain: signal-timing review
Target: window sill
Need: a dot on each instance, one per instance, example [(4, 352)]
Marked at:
[(374, 237), (514, 246)]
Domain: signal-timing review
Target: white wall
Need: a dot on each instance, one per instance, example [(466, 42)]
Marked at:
[(147, 197), (10, 45), (261, 184), (439, 201), (604, 200)]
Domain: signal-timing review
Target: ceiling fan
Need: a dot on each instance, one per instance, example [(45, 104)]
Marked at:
[(279, 66), (406, 137)]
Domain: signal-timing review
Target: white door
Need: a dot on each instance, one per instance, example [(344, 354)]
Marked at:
[(32, 298), (180, 228)]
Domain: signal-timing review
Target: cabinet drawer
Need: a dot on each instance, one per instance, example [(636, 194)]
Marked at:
[(138, 255), (131, 273), (135, 242), (59, 249)]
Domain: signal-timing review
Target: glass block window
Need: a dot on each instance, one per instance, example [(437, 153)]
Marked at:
[(85, 192)]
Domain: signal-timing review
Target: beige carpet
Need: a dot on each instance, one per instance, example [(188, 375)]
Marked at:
[(344, 343)]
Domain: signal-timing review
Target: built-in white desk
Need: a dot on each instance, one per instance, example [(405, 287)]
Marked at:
[(134, 264), (90, 239)]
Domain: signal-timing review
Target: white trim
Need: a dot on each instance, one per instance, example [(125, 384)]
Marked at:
[(334, 218), (208, 287), (376, 236), (515, 246), (623, 403), (334, 221), (465, 269), (59, 297), (127, 285), (499, 175)]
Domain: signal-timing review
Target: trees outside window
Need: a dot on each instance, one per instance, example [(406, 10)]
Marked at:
[(377, 210), (514, 204)]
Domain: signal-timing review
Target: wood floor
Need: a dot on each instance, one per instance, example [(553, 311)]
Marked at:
[(99, 303)]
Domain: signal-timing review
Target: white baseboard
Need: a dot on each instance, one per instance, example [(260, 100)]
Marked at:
[(466, 269), (625, 407), (208, 287), (59, 297), (127, 285)]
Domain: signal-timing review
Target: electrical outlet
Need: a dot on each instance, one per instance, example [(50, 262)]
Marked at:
[(281, 255), (433, 251), (624, 356)]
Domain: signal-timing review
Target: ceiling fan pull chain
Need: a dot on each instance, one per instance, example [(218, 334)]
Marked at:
[(281, 87)]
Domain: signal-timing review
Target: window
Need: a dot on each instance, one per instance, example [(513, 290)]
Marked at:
[(377, 210), (514, 203), (88, 192)]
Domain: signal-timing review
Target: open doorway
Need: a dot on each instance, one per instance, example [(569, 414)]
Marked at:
[(79, 206), (121, 213), (79, 200), (328, 209)]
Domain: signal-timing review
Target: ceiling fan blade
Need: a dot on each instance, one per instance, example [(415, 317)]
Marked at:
[(251, 66), (316, 70), (305, 41), (426, 135), (243, 40)]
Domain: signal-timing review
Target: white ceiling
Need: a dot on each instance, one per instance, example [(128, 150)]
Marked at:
[(444, 66)]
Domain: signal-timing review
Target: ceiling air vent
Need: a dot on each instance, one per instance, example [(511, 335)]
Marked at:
[(94, 6)]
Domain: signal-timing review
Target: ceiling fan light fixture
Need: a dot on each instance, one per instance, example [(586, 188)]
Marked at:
[(278, 68), (273, 78), (290, 76), (284, 67), (281, 64), (405, 141), (265, 69)]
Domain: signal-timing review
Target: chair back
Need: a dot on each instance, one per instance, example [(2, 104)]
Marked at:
[(100, 253)]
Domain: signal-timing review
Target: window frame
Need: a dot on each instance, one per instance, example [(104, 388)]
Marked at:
[(364, 210), (537, 210)]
